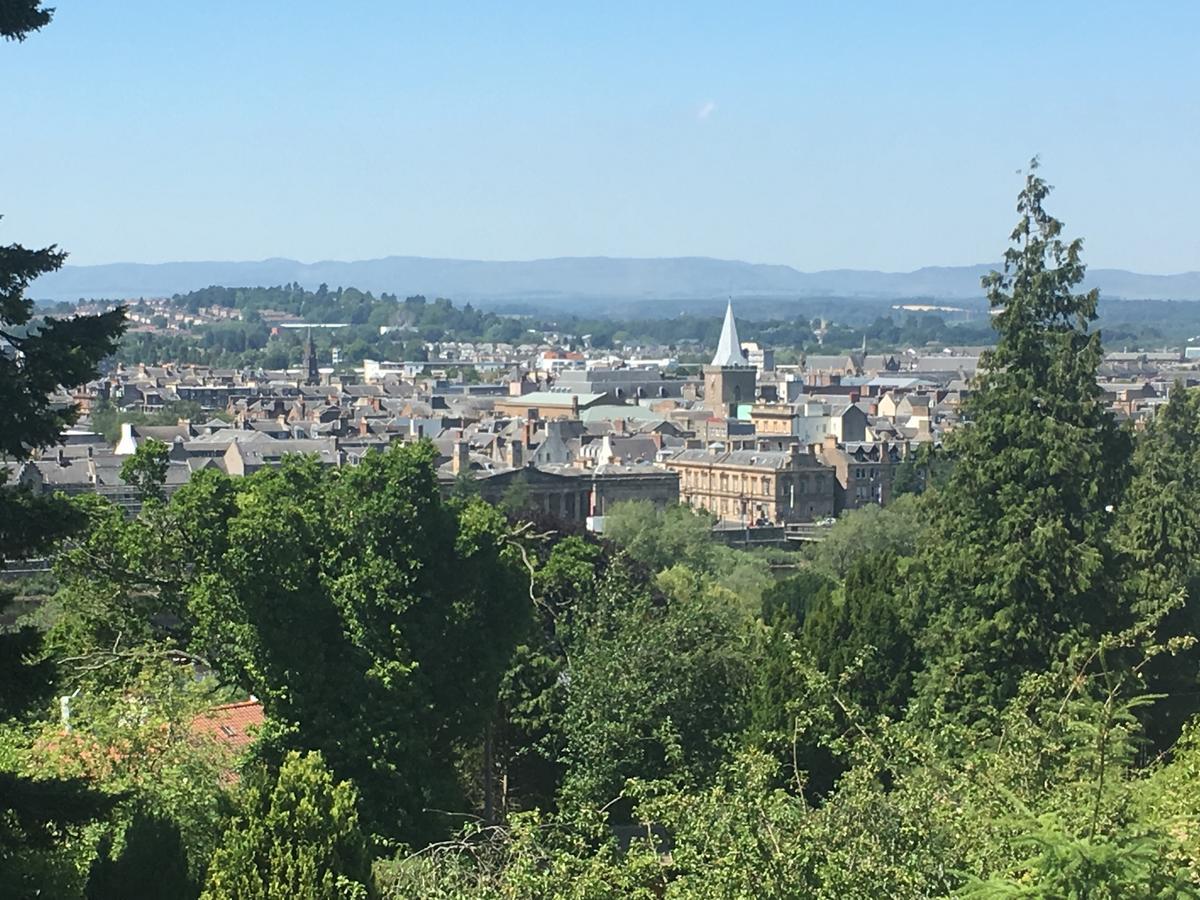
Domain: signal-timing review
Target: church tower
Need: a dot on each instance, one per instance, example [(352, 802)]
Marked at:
[(312, 373), (730, 379)]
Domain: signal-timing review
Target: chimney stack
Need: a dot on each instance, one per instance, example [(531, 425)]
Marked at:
[(460, 459), (516, 454), (574, 406)]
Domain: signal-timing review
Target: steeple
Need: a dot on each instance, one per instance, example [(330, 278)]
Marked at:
[(312, 373), (729, 349)]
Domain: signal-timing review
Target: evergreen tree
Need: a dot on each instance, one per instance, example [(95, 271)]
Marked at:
[(1159, 532), (152, 864), (20, 17), (860, 633), (295, 836), (1020, 566)]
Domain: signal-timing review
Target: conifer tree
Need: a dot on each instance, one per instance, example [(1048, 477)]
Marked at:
[(1158, 531), (296, 836), (1020, 564)]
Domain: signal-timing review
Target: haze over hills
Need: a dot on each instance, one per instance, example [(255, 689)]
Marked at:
[(569, 279)]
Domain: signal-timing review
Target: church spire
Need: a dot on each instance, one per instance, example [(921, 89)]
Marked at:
[(312, 372), (729, 349)]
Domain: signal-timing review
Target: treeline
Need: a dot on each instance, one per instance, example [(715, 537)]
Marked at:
[(250, 342), (415, 321)]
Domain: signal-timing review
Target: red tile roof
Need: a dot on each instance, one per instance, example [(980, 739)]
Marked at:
[(234, 724)]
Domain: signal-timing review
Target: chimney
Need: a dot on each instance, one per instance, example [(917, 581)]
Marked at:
[(89, 451), (528, 433), (794, 454), (460, 459), (831, 442), (364, 427), (619, 426), (516, 454), (574, 406)]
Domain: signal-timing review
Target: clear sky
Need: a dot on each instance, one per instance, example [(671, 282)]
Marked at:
[(821, 135)]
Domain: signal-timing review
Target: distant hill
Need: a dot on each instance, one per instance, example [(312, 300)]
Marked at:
[(569, 279)]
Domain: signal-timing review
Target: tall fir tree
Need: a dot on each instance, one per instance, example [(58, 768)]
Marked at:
[(1020, 566), (1158, 531)]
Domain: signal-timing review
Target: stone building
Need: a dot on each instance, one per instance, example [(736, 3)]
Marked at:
[(864, 470), (756, 486)]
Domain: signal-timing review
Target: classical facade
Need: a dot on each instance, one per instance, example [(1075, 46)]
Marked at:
[(756, 486)]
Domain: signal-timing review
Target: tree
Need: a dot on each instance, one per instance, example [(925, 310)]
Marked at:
[(656, 688), (374, 621), (791, 599), (1158, 530), (296, 835), (515, 499), (864, 533), (146, 470), (1018, 567), (151, 864), (658, 538), (919, 469), (38, 359), (20, 17), (859, 635)]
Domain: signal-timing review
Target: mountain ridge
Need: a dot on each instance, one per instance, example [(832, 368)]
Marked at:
[(569, 278)]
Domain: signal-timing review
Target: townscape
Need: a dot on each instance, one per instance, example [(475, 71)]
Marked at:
[(761, 447)]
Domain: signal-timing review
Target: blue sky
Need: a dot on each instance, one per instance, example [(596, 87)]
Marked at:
[(820, 135)]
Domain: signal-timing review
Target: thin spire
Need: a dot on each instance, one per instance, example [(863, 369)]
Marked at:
[(729, 349)]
